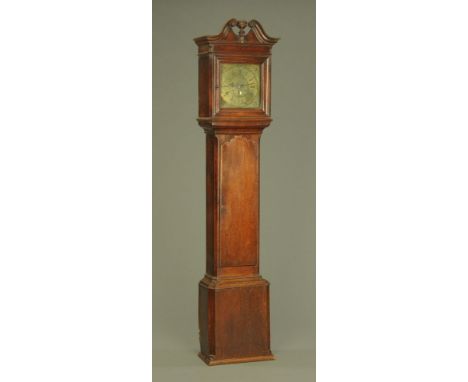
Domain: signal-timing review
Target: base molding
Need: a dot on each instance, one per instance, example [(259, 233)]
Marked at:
[(211, 282), (212, 361)]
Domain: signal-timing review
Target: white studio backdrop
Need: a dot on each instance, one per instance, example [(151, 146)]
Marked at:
[(392, 186), (75, 195)]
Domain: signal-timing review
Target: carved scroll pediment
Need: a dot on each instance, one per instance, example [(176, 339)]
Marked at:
[(239, 31)]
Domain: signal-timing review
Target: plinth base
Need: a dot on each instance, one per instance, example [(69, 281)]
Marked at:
[(234, 320), (212, 361)]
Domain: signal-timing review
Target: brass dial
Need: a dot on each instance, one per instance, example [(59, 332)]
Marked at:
[(240, 86)]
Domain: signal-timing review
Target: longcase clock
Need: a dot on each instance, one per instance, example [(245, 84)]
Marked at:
[(234, 108)]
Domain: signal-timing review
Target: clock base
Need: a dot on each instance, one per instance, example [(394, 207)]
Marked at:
[(234, 320), (212, 361)]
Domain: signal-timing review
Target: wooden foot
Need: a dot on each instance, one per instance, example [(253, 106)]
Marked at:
[(212, 361)]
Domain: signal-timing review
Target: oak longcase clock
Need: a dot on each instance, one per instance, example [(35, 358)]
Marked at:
[(234, 108)]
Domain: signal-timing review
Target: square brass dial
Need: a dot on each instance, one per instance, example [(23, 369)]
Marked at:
[(240, 86)]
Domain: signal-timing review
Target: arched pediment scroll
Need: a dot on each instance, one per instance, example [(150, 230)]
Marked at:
[(239, 31)]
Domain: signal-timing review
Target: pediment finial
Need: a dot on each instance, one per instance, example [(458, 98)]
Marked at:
[(240, 24)]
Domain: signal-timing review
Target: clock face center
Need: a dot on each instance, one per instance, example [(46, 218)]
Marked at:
[(240, 86)]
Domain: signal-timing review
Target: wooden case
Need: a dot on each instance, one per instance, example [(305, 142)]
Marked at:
[(234, 313)]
